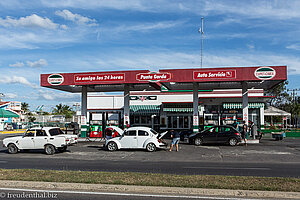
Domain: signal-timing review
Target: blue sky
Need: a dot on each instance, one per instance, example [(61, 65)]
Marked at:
[(49, 36)]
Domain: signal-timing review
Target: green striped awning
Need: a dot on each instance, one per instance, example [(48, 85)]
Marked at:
[(180, 109), (145, 109), (239, 105), (7, 114)]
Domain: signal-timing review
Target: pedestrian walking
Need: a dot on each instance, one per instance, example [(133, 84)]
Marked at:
[(175, 139)]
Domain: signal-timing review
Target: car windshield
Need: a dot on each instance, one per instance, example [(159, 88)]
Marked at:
[(55, 131), (154, 132)]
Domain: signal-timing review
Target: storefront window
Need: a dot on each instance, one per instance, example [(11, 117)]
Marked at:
[(174, 122), (180, 122), (148, 119), (136, 119), (143, 119), (186, 122)]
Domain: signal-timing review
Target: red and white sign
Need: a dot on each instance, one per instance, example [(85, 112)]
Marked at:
[(195, 120), (154, 76), (98, 78), (215, 74)]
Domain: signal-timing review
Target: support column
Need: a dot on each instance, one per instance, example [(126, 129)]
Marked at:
[(126, 105), (245, 101), (83, 120), (195, 108), (262, 117)]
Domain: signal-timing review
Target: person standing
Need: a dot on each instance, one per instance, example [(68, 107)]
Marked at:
[(127, 125), (245, 132), (109, 131), (175, 139), (236, 124)]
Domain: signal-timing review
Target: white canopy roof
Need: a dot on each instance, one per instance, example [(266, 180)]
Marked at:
[(272, 111)]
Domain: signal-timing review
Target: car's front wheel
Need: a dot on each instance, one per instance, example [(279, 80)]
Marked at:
[(12, 149), (151, 147), (49, 149), (198, 141), (233, 142), (112, 146)]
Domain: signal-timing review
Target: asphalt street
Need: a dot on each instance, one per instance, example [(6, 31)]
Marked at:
[(269, 158), (78, 195)]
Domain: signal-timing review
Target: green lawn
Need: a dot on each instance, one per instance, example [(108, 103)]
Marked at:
[(151, 179)]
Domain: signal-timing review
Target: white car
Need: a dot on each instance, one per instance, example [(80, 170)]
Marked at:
[(136, 138), (48, 138)]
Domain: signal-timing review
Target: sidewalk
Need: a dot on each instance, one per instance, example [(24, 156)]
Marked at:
[(13, 131), (146, 189)]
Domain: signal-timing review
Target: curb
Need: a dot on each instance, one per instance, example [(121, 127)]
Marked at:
[(147, 189)]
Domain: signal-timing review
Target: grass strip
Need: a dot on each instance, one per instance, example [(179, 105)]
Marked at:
[(152, 179)]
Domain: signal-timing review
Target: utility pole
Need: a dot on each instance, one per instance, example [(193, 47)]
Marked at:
[(294, 94), (76, 106), (201, 32)]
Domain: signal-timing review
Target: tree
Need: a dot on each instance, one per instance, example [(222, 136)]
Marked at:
[(25, 107), (280, 93), (65, 110)]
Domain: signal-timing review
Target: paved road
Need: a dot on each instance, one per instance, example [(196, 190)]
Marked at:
[(172, 167), (66, 195), (269, 158)]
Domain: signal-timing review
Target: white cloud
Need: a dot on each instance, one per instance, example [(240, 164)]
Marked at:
[(148, 26), (38, 63), (45, 94), (255, 9), (16, 80), (250, 46), (29, 21), (11, 95), (17, 64), (79, 19), (294, 47), (162, 59)]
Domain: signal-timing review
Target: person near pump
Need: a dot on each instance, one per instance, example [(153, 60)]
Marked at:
[(109, 132), (245, 132), (236, 124), (127, 124), (175, 135)]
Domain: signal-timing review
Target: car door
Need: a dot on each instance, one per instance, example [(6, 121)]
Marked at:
[(223, 134), (129, 139), (210, 136), (142, 137), (27, 141), (40, 139)]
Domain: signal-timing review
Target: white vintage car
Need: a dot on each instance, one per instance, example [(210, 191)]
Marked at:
[(136, 138), (48, 138)]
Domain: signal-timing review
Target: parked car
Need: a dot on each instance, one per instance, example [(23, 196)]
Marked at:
[(48, 138), (216, 134), (136, 138)]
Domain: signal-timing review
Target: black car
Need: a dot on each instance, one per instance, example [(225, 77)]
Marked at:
[(216, 134)]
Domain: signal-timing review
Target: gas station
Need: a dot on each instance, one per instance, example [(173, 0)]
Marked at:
[(196, 80)]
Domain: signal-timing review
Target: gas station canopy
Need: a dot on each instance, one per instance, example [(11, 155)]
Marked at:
[(263, 77)]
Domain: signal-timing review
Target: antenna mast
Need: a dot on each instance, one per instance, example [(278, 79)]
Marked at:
[(201, 32)]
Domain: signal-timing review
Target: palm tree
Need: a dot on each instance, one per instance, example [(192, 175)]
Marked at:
[(25, 107), (58, 110), (63, 110)]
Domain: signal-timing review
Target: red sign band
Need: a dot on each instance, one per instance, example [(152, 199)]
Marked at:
[(216, 74), (84, 78), (154, 76)]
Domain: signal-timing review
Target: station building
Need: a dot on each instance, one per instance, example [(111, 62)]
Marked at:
[(165, 109)]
